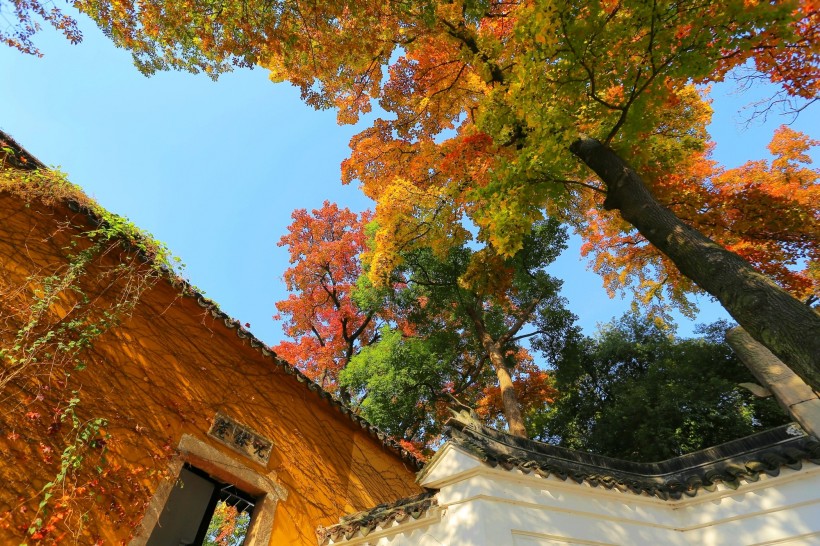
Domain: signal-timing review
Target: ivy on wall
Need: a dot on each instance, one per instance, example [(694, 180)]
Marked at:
[(48, 324)]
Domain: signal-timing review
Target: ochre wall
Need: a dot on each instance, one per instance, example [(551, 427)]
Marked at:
[(165, 371)]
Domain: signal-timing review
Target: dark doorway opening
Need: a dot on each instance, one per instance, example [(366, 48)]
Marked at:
[(203, 511)]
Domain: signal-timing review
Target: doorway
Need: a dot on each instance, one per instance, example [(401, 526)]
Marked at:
[(203, 511)]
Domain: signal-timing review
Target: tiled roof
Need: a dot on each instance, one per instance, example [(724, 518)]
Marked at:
[(30, 163), (729, 464), (19, 158), (383, 515)]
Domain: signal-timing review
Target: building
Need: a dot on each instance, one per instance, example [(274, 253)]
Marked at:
[(174, 407)]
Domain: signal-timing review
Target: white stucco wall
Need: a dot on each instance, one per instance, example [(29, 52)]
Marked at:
[(482, 506)]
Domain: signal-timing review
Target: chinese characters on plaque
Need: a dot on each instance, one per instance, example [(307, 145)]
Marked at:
[(240, 438)]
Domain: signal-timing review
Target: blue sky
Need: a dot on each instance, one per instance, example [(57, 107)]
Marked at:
[(214, 169)]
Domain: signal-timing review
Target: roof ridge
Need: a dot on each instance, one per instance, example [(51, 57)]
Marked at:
[(20, 158), (768, 438), (745, 458), (366, 521)]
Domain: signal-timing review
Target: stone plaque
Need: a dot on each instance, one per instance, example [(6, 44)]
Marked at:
[(241, 438)]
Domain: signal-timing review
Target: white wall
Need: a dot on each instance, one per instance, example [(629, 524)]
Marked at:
[(482, 506)]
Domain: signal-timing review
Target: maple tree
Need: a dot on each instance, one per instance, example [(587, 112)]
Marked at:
[(500, 110), (726, 205), (509, 158), (323, 320), (399, 352)]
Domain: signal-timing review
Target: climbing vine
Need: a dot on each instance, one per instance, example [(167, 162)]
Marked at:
[(48, 325), (144, 363)]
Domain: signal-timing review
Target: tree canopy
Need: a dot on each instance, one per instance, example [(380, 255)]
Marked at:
[(441, 328), (497, 112), (24, 22), (673, 395), (450, 335), (325, 324), (476, 318)]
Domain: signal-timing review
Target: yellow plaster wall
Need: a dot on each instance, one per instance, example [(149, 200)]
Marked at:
[(166, 371)]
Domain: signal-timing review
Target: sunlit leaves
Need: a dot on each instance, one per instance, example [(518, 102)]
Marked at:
[(324, 322), (766, 211), (401, 351), (482, 100), (20, 20)]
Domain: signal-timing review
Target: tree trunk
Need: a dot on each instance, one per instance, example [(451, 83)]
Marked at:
[(512, 409), (794, 396), (787, 327)]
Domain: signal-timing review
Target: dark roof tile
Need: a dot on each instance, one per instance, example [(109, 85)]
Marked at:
[(729, 464), (364, 523)]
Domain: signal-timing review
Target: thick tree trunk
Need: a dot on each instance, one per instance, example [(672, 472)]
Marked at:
[(788, 328), (512, 409)]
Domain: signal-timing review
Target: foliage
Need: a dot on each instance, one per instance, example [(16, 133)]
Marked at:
[(470, 133), (460, 336), (489, 105), (402, 380), (441, 328), (228, 526), (325, 321), (88, 436), (48, 326), (765, 211), (23, 22), (635, 391), (52, 186), (484, 98), (487, 102)]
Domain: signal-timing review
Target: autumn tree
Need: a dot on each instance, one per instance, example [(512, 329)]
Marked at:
[(638, 392), (506, 160), (497, 111), (406, 385), (466, 314), (228, 526), (324, 322), (450, 325)]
